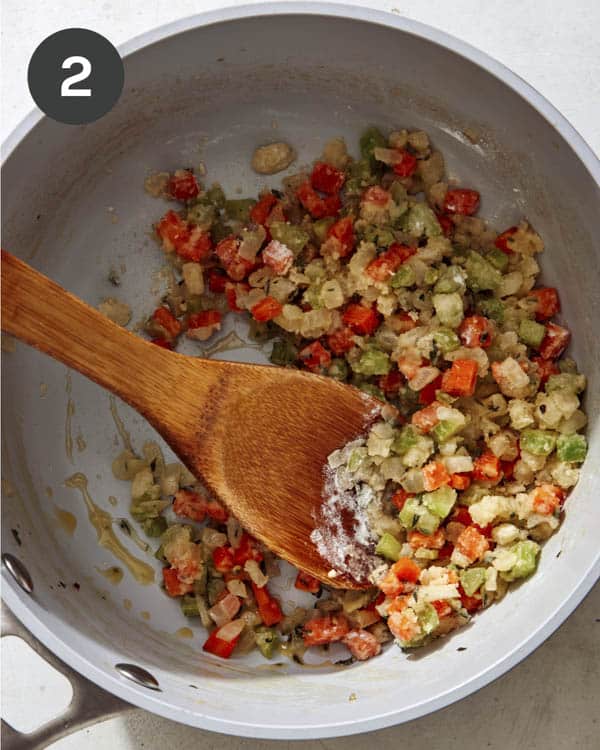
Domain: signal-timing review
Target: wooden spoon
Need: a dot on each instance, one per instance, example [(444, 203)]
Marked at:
[(257, 436)]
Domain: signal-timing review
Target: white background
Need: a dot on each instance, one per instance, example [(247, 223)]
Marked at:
[(551, 700)]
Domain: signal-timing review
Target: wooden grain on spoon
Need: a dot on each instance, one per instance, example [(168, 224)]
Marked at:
[(258, 436)]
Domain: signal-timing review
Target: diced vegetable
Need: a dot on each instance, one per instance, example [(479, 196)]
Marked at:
[(449, 308), (526, 553), (362, 320), (323, 630), (388, 546), (372, 362), (461, 201), (267, 640), (222, 641), (268, 606), (538, 442), (546, 301), (327, 179), (504, 241), (571, 448), (476, 331), (531, 333), (267, 309), (306, 582), (486, 468), (481, 274), (555, 341), (441, 501), (461, 378), (472, 580)]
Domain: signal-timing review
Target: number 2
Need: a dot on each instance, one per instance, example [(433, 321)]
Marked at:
[(86, 69)]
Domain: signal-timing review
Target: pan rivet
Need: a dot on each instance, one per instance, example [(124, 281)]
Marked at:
[(18, 571), (139, 675)]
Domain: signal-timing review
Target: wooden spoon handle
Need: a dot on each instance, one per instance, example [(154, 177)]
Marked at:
[(46, 316)]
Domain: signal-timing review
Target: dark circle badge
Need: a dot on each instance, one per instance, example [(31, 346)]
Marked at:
[(75, 76)]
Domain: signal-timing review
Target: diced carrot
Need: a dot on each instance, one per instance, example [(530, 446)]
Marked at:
[(427, 418), (172, 230), (402, 322), (406, 569), (195, 247), (306, 582), (315, 357), (404, 625), (476, 330), (547, 498), (268, 606), (554, 342), (316, 206), (427, 541), (246, 550), (547, 303), (461, 201), (361, 644), (435, 475), (362, 320), (442, 607), (461, 378), (326, 629), (190, 505), (460, 481), (267, 309), (486, 468), (326, 178), (278, 256), (204, 319), (461, 514), (503, 241)]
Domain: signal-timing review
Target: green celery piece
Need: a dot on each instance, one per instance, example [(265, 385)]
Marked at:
[(481, 274), (154, 527), (338, 370), (538, 442), (371, 389), (321, 227), (201, 214), (431, 276), (216, 196), (371, 139), (189, 606), (267, 640), (389, 547), (160, 555), (571, 448), (404, 276), (527, 552), (472, 579), (498, 259), (239, 209), (531, 333), (289, 235), (447, 282), (360, 175), (446, 340), (492, 308), (409, 514), (445, 429), (449, 308), (379, 236), (284, 353), (220, 231), (568, 381), (428, 618), (357, 458), (372, 362), (406, 439), (441, 501), (428, 523), (422, 221), (399, 192)]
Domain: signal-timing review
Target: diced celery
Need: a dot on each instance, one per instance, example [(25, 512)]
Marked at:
[(404, 276), (216, 196), (492, 308), (201, 214), (446, 340), (338, 369), (498, 259), (409, 515), (428, 618), (406, 439), (527, 552), (321, 227), (154, 527), (239, 209), (220, 230), (571, 448), (538, 442), (531, 333), (441, 501), (360, 175), (399, 193), (189, 606), (422, 221), (449, 308), (379, 236), (291, 236), (472, 579), (389, 547), (267, 640), (445, 429), (283, 353), (357, 458), (450, 280), (160, 555), (428, 523), (372, 362), (370, 140), (431, 276), (568, 381), (480, 273), (372, 390), (260, 332)]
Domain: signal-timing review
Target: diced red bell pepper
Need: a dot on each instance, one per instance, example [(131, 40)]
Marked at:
[(461, 514), (461, 201), (486, 468), (163, 343), (446, 552), (446, 224), (259, 213), (406, 164), (435, 475), (428, 394), (316, 206), (343, 231), (216, 511), (327, 179), (173, 586), (442, 607), (391, 382), (231, 291), (315, 357), (388, 262), (277, 214), (470, 603), (362, 644), (228, 253), (400, 497), (341, 341), (362, 320), (547, 303), (190, 504), (204, 319), (278, 256), (167, 321), (246, 550), (219, 646), (267, 309), (460, 481), (461, 378), (182, 185), (554, 342), (376, 195), (306, 582), (326, 629), (508, 468), (223, 559), (268, 606), (217, 281), (475, 330), (427, 418), (547, 498), (172, 230), (503, 241), (195, 247), (546, 367)]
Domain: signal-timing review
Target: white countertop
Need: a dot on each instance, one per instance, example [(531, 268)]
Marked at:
[(550, 700)]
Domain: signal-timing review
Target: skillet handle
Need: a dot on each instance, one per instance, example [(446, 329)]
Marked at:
[(89, 703)]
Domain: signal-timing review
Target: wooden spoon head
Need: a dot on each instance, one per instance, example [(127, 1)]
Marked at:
[(261, 442)]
